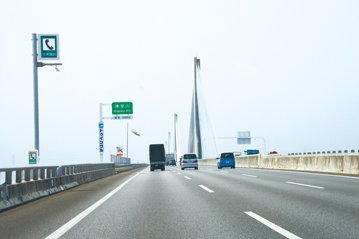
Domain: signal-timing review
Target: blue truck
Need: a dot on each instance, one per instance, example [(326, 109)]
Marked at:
[(251, 151)]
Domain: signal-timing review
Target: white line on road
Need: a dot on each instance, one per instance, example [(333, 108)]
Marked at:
[(306, 185), (248, 175), (66, 227), (207, 189), (187, 177), (317, 174), (222, 171), (179, 173), (328, 175), (272, 226)]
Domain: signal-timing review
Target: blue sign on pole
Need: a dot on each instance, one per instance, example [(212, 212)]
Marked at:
[(101, 137)]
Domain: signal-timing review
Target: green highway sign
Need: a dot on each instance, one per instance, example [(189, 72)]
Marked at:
[(33, 156), (122, 108), (48, 47)]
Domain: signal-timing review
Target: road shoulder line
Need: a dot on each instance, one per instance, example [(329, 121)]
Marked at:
[(67, 226)]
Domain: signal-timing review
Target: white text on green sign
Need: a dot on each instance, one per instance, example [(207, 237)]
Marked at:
[(122, 108)]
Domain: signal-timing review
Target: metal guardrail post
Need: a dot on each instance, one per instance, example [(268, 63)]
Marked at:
[(35, 174), (27, 175), (8, 177), (48, 172), (19, 176), (42, 173)]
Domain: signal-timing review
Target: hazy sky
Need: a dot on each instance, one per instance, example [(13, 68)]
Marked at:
[(285, 70)]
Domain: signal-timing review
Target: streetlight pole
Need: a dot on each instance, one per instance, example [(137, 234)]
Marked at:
[(127, 142), (36, 92), (169, 142)]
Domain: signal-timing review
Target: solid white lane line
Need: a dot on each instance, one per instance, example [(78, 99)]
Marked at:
[(272, 226), (248, 175), (305, 185), (317, 174), (187, 177), (328, 175), (66, 227), (179, 173), (207, 189)]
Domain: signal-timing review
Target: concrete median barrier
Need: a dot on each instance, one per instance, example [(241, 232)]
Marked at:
[(339, 164)]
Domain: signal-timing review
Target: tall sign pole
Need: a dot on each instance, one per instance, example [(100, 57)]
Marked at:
[(169, 142), (49, 50), (177, 150), (36, 92)]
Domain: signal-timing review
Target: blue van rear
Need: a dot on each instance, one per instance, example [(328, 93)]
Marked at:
[(226, 160)]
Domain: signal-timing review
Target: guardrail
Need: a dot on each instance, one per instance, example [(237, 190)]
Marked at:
[(17, 175), (325, 152), (10, 176), (21, 185)]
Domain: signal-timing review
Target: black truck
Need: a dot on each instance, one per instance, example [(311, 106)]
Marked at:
[(157, 156)]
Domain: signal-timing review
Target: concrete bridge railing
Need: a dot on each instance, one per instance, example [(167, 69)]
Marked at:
[(21, 185), (339, 164)]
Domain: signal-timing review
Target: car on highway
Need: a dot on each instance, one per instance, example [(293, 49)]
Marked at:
[(171, 162), (226, 160), (273, 153), (189, 161), (237, 154)]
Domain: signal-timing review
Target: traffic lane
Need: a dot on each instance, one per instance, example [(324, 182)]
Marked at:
[(345, 185), (307, 212), (336, 183), (39, 218), (167, 205)]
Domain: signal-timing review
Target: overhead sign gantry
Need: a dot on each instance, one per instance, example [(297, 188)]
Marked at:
[(120, 111)]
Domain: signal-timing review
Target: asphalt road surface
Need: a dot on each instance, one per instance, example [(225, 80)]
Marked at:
[(204, 203)]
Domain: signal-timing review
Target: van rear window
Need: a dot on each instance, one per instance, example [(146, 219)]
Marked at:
[(189, 156), (227, 155)]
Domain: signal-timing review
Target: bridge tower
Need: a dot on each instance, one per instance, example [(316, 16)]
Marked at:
[(195, 140)]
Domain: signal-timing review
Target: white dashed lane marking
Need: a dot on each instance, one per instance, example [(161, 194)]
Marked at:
[(305, 185), (248, 175), (207, 189), (272, 226)]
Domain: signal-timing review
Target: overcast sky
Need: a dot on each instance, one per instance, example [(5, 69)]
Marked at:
[(285, 70)]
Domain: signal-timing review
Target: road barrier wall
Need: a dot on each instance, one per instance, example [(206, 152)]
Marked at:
[(339, 164), (22, 185)]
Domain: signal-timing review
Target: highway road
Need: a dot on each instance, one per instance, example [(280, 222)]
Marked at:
[(208, 203)]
